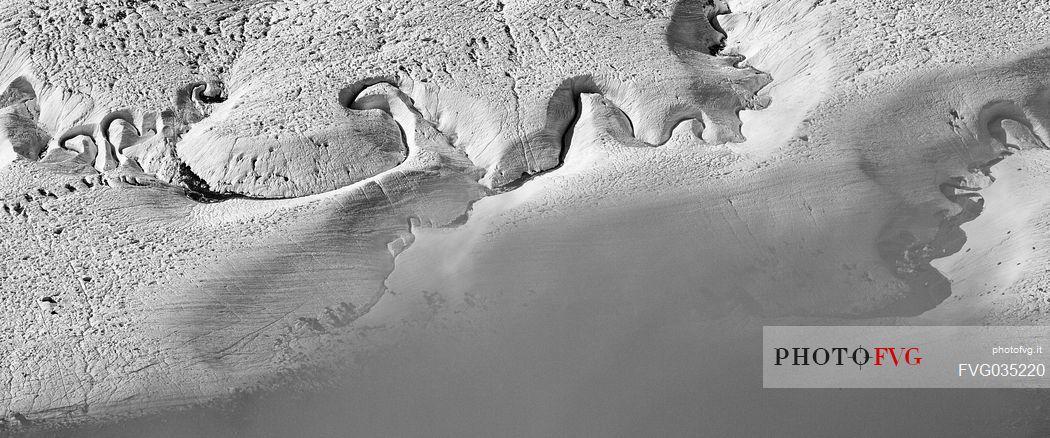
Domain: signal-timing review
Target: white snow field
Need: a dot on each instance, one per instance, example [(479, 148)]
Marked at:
[(508, 218)]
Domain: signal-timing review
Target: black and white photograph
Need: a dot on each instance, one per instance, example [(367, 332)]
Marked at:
[(524, 218)]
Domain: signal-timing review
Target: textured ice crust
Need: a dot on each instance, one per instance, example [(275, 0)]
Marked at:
[(257, 103)]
